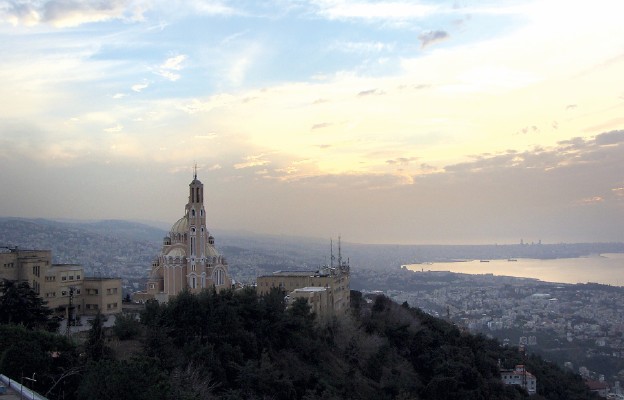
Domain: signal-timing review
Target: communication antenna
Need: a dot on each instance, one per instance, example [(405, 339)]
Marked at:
[(331, 253), (339, 254)]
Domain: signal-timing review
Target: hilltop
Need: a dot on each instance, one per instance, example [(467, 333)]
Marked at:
[(234, 345)]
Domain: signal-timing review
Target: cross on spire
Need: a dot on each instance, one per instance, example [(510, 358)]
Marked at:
[(195, 171)]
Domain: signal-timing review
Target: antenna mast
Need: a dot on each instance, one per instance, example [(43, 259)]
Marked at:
[(331, 253), (339, 254)]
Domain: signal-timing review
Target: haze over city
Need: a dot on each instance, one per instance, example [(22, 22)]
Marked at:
[(381, 121)]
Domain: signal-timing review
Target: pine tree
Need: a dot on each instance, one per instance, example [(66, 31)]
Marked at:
[(19, 304)]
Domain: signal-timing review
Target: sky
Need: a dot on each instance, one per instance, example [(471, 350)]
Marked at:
[(410, 122)]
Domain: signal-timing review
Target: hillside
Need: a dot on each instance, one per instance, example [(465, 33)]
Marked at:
[(236, 345), (123, 248)]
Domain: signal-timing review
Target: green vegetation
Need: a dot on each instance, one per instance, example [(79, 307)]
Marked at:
[(235, 345), (22, 306)]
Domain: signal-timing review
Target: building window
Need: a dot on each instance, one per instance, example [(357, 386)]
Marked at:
[(114, 290), (77, 276), (219, 277), (63, 278), (108, 291), (71, 277)]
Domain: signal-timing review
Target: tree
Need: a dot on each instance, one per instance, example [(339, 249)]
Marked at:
[(138, 378), (95, 347), (21, 305), (126, 327)]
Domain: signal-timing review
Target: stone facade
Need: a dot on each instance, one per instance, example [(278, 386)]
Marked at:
[(326, 290), (55, 283)]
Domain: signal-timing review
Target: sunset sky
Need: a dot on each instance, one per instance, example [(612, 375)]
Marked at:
[(380, 121)]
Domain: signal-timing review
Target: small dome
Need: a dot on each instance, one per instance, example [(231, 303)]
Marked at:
[(181, 226), (211, 251)]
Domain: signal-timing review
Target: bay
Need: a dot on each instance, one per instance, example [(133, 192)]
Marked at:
[(606, 269)]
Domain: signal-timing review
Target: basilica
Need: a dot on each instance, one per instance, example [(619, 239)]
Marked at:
[(188, 259)]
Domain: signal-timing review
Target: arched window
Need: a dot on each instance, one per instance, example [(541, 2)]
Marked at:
[(193, 212), (198, 198), (194, 284), (219, 277)]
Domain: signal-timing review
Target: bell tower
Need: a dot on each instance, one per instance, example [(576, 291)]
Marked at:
[(196, 217)]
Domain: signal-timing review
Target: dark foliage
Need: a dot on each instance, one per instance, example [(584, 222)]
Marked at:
[(49, 358), (235, 345), (22, 306)]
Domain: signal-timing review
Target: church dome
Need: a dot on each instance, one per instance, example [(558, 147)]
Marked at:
[(177, 252), (181, 225), (211, 251)]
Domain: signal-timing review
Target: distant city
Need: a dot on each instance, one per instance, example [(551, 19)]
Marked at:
[(580, 326)]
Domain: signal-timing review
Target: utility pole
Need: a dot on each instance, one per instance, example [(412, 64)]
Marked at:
[(69, 311)]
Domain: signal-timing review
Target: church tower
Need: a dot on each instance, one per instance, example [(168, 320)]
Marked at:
[(189, 259)]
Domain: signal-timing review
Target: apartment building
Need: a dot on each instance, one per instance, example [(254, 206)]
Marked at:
[(326, 290), (60, 284)]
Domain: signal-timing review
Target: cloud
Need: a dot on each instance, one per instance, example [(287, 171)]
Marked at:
[(63, 14), (72, 13), (252, 161), (215, 167), (321, 125), (139, 86), (362, 47), (114, 129), (383, 10), (371, 92), (401, 161), (432, 37), (168, 69), (610, 138), (210, 135), (119, 95), (591, 200)]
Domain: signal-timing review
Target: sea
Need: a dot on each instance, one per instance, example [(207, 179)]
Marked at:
[(607, 269)]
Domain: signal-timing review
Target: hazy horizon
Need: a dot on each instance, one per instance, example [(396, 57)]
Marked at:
[(399, 122)]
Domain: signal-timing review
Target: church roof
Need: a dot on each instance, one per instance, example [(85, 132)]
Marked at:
[(181, 225)]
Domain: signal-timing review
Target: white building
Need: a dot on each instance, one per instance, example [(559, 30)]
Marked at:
[(521, 377)]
